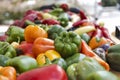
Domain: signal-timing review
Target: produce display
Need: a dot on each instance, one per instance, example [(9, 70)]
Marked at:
[(57, 42)]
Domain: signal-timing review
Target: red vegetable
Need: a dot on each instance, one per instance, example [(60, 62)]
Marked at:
[(50, 72), (105, 32), (84, 22), (50, 21), (82, 15), (64, 7), (26, 48), (97, 33)]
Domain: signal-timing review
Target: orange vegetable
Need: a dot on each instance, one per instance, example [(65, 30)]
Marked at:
[(32, 32), (7, 73), (85, 49), (97, 41), (41, 45)]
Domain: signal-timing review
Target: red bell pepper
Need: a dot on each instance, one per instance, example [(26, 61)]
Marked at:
[(50, 72), (26, 48)]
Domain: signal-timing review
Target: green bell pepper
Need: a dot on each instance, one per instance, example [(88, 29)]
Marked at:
[(102, 75), (64, 19), (56, 11), (67, 44), (54, 31), (7, 49), (15, 34), (86, 67), (28, 22), (85, 37), (71, 72), (80, 70), (3, 60), (75, 58), (22, 63), (61, 62)]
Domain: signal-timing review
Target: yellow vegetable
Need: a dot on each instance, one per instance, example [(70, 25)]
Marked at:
[(84, 29), (49, 54)]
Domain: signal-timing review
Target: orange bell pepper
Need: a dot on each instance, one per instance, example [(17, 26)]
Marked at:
[(32, 32), (97, 41), (41, 45), (7, 73), (85, 49)]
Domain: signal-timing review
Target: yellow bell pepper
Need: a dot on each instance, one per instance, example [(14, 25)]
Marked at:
[(49, 54)]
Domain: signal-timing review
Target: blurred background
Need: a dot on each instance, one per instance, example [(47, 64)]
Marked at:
[(99, 10)]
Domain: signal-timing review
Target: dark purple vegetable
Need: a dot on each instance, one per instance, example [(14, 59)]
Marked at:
[(75, 10), (51, 6), (105, 46), (72, 28), (101, 53)]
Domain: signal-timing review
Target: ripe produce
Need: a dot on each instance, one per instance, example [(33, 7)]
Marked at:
[(32, 32), (51, 72)]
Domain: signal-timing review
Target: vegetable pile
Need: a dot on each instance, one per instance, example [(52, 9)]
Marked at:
[(58, 43)]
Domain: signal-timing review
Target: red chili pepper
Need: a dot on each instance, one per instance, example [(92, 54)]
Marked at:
[(50, 21), (97, 33), (50, 72), (105, 32), (80, 22), (64, 7), (82, 15)]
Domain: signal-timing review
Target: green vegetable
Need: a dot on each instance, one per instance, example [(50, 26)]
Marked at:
[(64, 19), (28, 22), (61, 62), (113, 57), (67, 44), (7, 49), (71, 72), (45, 27), (75, 58), (85, 37), (15, 34), (22, 63), (86, 67), (3, 60), (54, 31), (102, 75), (56, 11)]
